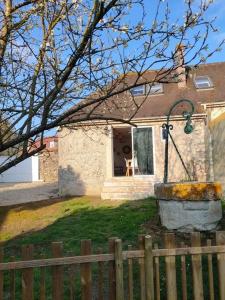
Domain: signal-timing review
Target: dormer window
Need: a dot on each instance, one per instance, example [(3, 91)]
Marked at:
[(155, 88), (203, 82), (138, 90)]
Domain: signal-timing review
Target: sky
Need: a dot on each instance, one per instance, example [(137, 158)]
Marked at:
[(217, 9)]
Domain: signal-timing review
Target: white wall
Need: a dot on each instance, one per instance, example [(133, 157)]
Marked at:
[(26, 171)]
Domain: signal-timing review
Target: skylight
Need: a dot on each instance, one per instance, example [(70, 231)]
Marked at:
[(156, 88), (203, 82), (138, 90)]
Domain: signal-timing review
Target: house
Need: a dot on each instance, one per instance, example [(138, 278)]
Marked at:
[(43, 166), (25, 171), (93, 160), (48, 159)]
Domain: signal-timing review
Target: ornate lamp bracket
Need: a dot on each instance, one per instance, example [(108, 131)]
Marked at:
[(167, 127)]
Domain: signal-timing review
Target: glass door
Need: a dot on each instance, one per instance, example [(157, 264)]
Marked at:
[(142, 147)]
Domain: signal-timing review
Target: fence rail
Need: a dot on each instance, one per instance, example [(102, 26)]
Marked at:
[(122, 274)]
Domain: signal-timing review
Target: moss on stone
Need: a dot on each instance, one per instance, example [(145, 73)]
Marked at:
[(195, 191)]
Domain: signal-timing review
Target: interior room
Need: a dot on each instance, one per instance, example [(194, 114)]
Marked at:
[(122, 151)]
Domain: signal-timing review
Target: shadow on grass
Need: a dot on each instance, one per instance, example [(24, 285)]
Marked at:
[(81, 218)]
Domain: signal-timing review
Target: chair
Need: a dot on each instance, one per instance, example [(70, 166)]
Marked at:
[(129, 166)]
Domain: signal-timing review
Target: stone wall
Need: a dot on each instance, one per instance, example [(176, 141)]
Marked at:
[(48, 166), (217, 130), (82, 160), (191, 147), (86, 156)]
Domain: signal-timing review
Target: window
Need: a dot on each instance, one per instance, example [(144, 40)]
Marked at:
[(203, 82), (138, 90), (143, 155), (52, 144), (155, 88)]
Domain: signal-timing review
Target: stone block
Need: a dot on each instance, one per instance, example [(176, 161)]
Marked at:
[(186, 216), (191, 191), (189, 206)]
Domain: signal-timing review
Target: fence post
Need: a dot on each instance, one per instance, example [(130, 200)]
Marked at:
[(119, 270), (86, 278), (130, 276), (157, 275), (197, 267), (100, 277), (57, 272), (12, 282), (112, 271), (27, 274), (42, 281), (183, 274), (141, 242), (149, 277), (220, 240), (210, 273), (171, 282)]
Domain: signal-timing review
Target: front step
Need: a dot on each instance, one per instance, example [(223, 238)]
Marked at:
[(127, 188)]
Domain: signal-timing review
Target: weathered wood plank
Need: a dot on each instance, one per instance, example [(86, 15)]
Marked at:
[(57, 272), (183, 275), (100, 277), (141, 242), (42, 284), (171, 282), (86, 276), (49, 262), (12, 283), (130, 277), (210, 273), (72, 274), (220, 240), (119, 270), (112, 271), (197, 268), (149, 275), (157, 275), (27, 274)]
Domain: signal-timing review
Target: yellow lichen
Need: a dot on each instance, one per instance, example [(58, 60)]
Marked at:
[(195, 191)]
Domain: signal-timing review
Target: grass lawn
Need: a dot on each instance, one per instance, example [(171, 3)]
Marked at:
[(75, 219), (70, 221), (79, 218)]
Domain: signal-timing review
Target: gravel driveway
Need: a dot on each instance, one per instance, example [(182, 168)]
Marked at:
[(17, 193)]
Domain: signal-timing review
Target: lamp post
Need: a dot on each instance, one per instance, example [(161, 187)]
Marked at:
[(166, 133)]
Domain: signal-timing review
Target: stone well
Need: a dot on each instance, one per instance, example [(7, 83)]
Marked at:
[(189, 206)]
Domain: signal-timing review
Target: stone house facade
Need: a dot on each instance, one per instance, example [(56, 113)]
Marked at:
[(48, 160), (93, 159)]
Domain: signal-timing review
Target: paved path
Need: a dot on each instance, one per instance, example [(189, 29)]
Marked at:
[(17, 193)]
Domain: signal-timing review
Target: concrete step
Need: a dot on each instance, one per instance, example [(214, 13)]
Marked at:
[(127, 188), (124, 196), (124, 182)]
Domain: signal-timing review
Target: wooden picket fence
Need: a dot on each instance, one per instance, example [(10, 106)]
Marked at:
[(121, 282)]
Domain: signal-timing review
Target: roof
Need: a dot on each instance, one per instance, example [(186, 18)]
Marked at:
[(158, 105)]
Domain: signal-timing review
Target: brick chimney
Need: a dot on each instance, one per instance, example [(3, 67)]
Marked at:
[(179, 65)]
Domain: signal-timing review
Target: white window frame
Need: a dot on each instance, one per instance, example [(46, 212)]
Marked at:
[(52, 144), (153, 152), (207, 81), (138, 88), (153, 90)]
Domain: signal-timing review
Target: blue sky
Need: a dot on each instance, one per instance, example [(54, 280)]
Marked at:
[(217, 9)]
